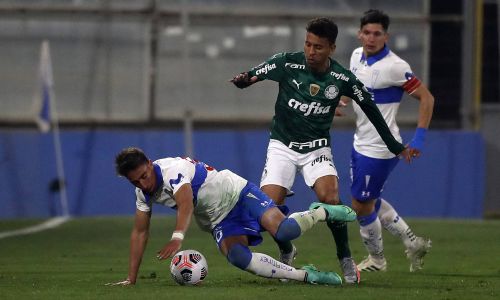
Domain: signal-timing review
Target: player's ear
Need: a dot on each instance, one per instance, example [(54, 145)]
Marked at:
[(332, 48)]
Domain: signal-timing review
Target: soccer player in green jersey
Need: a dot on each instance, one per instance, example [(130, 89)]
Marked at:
[(310, 87)]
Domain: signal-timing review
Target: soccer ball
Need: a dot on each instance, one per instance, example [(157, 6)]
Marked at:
[(188, 267)]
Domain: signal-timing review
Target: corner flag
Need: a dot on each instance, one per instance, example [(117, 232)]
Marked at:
[(44, 95), (46, 117)]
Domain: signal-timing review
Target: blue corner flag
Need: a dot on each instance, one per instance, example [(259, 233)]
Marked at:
[(44, 94)]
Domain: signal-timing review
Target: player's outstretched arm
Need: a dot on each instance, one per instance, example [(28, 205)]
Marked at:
[(138, 241), (425, 110), (364, 99), (243, 80), (185, 207)]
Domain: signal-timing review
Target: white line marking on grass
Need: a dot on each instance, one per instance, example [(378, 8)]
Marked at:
[(51, 223)]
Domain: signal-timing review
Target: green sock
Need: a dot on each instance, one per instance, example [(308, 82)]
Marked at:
[(339, 232), (285, 246)]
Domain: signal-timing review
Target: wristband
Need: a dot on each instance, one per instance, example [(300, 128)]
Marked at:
[(177, 235), (418, 139)]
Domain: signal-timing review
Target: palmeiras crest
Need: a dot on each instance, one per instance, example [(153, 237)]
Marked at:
[(331, 91)]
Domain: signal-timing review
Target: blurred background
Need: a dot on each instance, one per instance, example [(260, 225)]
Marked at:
[(154, 74)]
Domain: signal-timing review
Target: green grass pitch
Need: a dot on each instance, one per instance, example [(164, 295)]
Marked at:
[(75, 260)]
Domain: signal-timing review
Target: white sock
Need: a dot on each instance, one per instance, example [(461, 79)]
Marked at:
[(265, 266), (371, 235), (307, 219), (395, 224)]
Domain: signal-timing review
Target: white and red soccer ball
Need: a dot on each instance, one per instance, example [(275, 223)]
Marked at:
[(188, 267)]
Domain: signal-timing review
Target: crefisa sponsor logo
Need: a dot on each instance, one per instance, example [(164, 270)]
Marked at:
[(320, 159), (339, 76), (358, 93), (314, 108), (265, 69)]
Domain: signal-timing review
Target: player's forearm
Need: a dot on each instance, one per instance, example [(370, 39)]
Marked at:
[(184, 214), (373, 113), (138, 241), (425, 110)]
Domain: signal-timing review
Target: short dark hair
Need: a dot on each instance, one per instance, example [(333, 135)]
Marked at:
[(324, 28), (375, 16), (129, 159)]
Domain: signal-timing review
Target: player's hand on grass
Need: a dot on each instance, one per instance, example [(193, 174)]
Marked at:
[(169, 249), (243, 80), (123, 283)]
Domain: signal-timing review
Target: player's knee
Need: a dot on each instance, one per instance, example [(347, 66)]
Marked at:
[(357, 206), (363, 208), (330, 199), (239, 256), (329, 196), (275, 192), (288, 230)]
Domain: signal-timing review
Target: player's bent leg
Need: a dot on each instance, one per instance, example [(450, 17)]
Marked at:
[(276, 192), (394, 223), (287, 229), (290, 228), (286, 249), (334, 213), (370, 230), (239, 256), (326, 189), (416, 247), (297, 223), (262, 265)]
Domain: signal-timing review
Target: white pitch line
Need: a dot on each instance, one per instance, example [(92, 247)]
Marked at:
[(51, 223)]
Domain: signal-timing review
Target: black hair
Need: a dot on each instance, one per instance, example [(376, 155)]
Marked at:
[(129, 159), (375, 16), (324, 28)]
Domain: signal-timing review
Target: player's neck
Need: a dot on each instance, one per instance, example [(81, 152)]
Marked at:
[(322, 69)]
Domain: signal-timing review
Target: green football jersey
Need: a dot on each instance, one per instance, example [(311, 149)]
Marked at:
[(306, 102)]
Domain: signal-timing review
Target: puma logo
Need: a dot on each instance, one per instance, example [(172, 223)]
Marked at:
[(297, 83)]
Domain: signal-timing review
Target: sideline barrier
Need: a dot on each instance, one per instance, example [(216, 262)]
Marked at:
[(448, 181)]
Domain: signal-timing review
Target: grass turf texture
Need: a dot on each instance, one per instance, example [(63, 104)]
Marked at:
[(76, 259)]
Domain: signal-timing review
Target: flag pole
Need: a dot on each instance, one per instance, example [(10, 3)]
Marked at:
[(59, 162), (51, 117)]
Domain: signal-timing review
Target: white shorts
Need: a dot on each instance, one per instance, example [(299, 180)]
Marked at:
[(282, 164)]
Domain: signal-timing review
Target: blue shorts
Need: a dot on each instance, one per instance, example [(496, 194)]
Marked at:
[(368, 175), (244, 218)]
